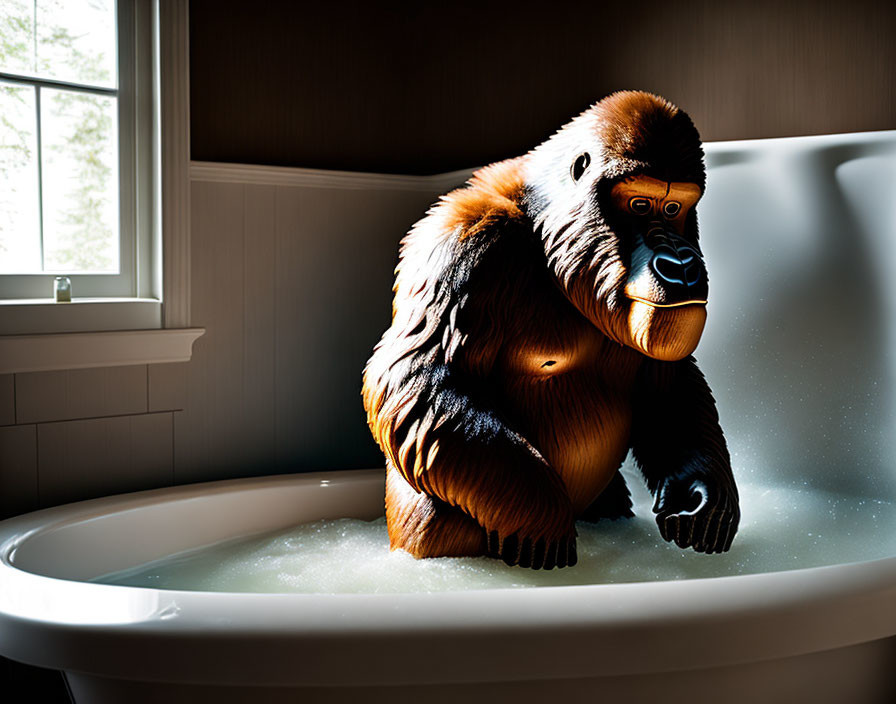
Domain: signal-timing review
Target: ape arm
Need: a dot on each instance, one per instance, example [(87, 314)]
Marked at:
[(426, 392), (680, 448), (461, 451)]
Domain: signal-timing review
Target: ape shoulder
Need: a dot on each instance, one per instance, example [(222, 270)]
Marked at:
[(446, 313), (463, 247), (491, 197), (467, 219), (450, 275)]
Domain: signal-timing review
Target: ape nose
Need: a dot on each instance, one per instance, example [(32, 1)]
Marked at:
[(677, 265), (666, 269)]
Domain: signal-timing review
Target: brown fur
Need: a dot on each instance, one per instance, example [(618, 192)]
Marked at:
[(516, 375)]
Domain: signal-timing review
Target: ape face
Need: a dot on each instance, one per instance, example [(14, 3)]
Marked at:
[(666, 282), (619, 226)]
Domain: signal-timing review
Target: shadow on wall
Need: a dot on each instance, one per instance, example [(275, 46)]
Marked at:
[(801, 316)]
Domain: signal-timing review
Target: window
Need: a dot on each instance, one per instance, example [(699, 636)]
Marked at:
[(76, 148)]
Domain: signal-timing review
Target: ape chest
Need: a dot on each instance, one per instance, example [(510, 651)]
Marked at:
[(569, 392), (550, 347)]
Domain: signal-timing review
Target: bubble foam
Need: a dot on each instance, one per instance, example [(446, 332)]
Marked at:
[(781, 529)]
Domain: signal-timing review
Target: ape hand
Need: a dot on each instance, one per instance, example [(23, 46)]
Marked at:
[(533, 525), (698, 512)]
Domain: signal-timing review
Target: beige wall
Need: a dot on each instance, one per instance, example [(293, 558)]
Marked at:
[(426, 87)]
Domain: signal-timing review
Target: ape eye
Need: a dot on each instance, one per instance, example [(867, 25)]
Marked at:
[(639, 206), (579, 165), (671, 209)]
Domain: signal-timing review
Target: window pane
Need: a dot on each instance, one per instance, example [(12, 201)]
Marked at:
[(17, 48), (80, 174), (19, 220), (75, 40)]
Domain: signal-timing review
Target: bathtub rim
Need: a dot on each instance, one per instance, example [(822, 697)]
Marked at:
[(579, 630)]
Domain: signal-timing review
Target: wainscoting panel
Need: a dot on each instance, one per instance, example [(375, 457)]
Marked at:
[(291, 278), (259, 403), (7, 399), (83, 459), (80, 393), (18, 470), (208, 432), (166, 386)]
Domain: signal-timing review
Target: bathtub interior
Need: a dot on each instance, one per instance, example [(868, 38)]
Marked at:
[(782, 529), (800, 241), (115, 533), (324, 533), (798, 235)]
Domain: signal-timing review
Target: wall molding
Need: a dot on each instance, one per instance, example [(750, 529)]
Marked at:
[(220, 172), (323, 178), (42, 353)]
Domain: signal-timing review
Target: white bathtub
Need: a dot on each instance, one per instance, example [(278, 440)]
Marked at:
[(800, 238), (825, 632)]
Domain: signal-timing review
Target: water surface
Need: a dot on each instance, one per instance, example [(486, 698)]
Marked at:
[(781, 529)]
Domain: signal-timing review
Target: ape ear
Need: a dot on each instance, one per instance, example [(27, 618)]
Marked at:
[(580, 165)]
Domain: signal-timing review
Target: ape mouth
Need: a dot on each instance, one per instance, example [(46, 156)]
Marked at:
[(677, 304), (665, 331)]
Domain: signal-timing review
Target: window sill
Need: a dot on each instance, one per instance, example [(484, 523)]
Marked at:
[(44, 315), (41, 353)]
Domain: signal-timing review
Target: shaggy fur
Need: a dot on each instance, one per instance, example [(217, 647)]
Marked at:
[(516, 374)]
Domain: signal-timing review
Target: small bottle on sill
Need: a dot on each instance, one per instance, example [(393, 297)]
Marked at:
[(62, 288)]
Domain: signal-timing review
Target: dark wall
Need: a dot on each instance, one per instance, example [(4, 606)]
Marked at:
[(430, 87)]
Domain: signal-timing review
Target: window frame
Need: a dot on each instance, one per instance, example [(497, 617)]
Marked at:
[(162, 213), (134, 46)]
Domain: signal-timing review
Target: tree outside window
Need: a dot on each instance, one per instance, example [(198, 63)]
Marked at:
[(59, 209)]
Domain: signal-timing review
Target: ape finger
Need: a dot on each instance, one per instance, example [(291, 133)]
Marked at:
[(494, 544), (670, 528), (562, 553), (718, 545), (685, 531), (510, 550), (727, 530), (707, 531), (732, 530), (727, 533)]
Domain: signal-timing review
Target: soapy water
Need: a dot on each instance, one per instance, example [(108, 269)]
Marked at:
[(781, 529)]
